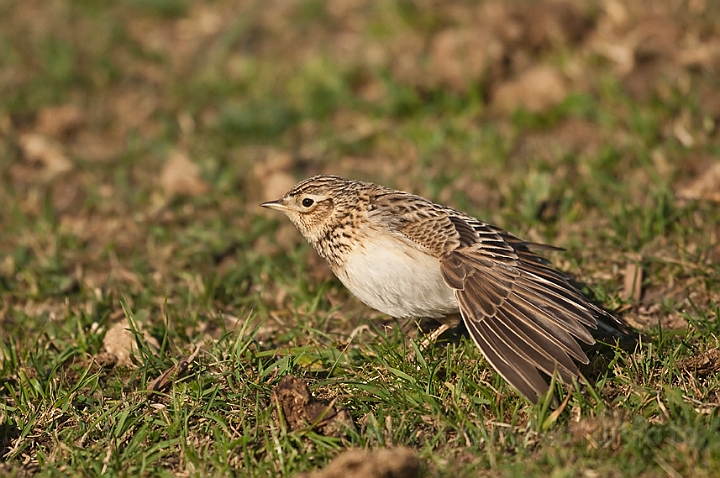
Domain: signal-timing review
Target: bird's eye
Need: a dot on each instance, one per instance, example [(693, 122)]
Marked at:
[(307, 202)]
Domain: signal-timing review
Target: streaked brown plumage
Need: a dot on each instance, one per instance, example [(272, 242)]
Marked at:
[(411, 258)]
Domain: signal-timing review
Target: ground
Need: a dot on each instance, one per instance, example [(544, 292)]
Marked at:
[(149, 309)]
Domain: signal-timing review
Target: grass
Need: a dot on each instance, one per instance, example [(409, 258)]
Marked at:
[(250, 94)]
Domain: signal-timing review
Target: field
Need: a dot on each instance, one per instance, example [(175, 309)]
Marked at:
[(149, 308)]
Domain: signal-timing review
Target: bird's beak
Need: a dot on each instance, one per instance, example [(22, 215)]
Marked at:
[(278, 205)]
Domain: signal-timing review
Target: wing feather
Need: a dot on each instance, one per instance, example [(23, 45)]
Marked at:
[(512, 322), (526, 381)]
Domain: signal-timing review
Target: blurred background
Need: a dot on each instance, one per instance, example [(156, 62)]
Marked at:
[(138, 137)]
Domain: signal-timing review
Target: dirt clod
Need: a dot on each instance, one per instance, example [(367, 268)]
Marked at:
[(46, 157), (399, 462), (536, 90), (632, 288), (120, 343), (181, 176), (706, 186), (301, 410), (704, 365)]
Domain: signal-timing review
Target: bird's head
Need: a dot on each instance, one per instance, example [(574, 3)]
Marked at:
[(311, 203)]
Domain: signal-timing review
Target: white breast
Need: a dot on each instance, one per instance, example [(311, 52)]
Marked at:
[(397, 279)]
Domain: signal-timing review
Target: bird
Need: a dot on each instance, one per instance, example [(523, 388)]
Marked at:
[(411, 258)]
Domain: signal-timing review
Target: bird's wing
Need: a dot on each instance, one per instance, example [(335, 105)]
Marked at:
[(523, 315)]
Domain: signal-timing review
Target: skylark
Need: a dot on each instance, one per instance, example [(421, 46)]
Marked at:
[(411, 258)]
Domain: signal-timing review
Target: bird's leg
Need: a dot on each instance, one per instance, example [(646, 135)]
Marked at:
[(429, 339), (433, 336)]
